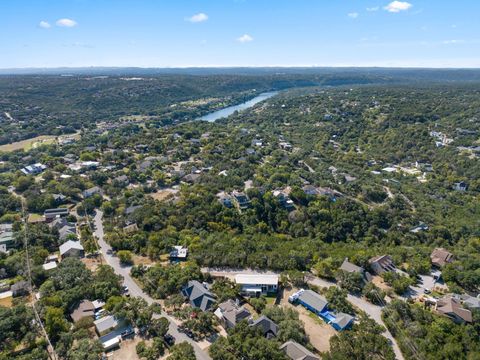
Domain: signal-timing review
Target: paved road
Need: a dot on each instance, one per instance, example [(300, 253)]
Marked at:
[(374, 311), (135, 290)]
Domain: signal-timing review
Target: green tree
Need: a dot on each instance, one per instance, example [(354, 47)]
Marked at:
[(55, 323), (337, 300), (125, 256), (182, 351)]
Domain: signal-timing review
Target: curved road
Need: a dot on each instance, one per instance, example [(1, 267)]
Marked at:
[(135, 290), (374, 311)]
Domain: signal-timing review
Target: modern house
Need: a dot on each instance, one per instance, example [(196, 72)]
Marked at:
[(229, 314), (470, 302), (33, 169), (296, 351), (179, 253), (268, 328), (381, 264), (52, 214), (84, 309), (241, 200), (198, 295), (441, 257), (72, 249), (284, 199), (460, 186), (451, 307), (257, 284)]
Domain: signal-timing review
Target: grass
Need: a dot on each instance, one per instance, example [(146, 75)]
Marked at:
[(28, 143)]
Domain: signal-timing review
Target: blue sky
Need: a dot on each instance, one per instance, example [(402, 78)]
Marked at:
[(179, 33)]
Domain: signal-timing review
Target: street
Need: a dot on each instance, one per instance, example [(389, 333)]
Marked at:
[(135, 290), (374, 311)]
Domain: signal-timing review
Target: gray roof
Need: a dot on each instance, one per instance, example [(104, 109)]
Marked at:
[(349, 267), (471, 302), (66, 230), (232, 312), (342, 319), (105, 323), (198, 295), (295, 351), (131, 209), (70, 244), (267, 326), (313, 299)]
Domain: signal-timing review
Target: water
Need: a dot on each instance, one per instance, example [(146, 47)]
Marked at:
[(223, 113)]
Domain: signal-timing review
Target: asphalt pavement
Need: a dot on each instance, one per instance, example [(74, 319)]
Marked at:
[(134, 289)]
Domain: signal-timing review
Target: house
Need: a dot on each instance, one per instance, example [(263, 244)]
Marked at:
[(191, 178), (284, 199), (241, 200), (129, 229), (98, 304), (311, 301), (295, 351), (49, 266), (131, 209), (441, 257), (106, 325), (381, 264), (72, 249), (257, 284), (268, 328), (460, 186), (67, 230), (178, 253), (59, 198), (342, 321), (121, 180), (33, 169), (52, 214), (470, 302), (285, 145), (20, 288), (229, 314), (83, 310), (92, 191), (349, 267), (451, 307), (225, 199), (198, 295), (7, 240)]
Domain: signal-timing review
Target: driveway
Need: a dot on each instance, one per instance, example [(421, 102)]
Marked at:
[(134, 289), (374, 311)]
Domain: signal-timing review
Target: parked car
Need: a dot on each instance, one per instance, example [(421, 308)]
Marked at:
[(169, 339), (126, 333)]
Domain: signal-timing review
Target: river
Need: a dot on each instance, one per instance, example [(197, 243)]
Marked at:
[(223, 113)]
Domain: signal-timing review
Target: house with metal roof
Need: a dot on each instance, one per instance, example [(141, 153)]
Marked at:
[(296, 351), (198, 295), (342, 321), (72, 249), (312, 301)]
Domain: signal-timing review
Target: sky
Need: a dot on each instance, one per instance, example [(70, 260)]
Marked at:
[(205, 33)]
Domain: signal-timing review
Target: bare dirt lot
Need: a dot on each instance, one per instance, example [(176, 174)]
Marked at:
[(318, 331), (164, 194)]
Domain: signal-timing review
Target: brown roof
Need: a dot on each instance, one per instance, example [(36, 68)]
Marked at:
[(441, 257), (84, 309), (452, 307)]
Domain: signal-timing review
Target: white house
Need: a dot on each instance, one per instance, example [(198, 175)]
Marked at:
[(257, 284)]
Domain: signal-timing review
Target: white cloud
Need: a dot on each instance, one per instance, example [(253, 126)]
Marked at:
[(44, 25), (397, 6), (372, 9), (453, 42), (245, 38), (353, 15), (200, 17), (66, 22)]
